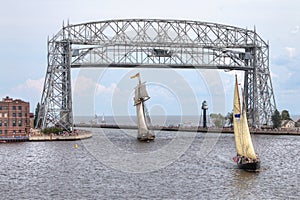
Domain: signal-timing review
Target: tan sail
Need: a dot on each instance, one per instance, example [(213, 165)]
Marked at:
[(242, 135)]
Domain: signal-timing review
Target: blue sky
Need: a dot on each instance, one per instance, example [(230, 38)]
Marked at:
[(25, 26)]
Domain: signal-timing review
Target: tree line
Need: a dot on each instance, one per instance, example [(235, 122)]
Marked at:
[(277, 118)]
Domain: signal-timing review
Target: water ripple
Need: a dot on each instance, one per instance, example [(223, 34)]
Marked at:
[(57, 170)]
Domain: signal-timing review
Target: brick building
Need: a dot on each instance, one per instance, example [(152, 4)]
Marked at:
[(14, 117)]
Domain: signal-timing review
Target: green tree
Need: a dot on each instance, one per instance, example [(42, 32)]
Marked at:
[(37, 109), (285, 115), (276, 119), (229, 117), (218, 119), (54, 130)]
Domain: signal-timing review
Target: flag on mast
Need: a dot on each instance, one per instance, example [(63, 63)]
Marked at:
[(135, 76)]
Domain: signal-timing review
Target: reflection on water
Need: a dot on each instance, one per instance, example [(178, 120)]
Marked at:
[(58, 170)]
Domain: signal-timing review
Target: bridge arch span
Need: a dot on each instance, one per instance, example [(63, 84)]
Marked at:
[(157, 43)]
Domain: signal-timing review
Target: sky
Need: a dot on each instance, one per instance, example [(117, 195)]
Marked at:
[(26, 25)]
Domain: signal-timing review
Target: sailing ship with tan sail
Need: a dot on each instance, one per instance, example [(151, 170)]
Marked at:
[(143, 118), (246, 157)]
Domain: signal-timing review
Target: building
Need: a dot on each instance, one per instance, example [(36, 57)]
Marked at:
[(14, 118), (287, 124)]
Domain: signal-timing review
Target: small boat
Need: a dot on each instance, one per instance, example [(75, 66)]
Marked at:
[(103, 119), (246, 157), (143, 118)]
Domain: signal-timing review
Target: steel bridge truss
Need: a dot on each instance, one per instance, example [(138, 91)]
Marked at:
[(155, 43)]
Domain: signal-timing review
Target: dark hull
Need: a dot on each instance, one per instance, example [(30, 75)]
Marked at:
[(251, 166), (146, 139), (14, 139)]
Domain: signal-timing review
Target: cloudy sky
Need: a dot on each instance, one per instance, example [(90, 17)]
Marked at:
[(25, 26)]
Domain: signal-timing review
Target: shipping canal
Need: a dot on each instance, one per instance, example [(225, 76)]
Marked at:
[(177, 165)]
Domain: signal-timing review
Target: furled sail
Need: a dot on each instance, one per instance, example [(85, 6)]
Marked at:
[(141, 94), (242, 135)]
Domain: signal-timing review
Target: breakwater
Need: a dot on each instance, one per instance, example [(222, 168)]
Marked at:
[(194, 128)]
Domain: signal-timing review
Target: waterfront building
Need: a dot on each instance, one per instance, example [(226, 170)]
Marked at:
[(288, 124), (14, 118)]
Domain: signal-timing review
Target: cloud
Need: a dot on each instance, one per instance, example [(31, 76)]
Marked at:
[(295, 30), (101, 89), (291, 51), (31, 86), (30, 90), (286, 57), (89, 96), (84, 85), (274, 75)]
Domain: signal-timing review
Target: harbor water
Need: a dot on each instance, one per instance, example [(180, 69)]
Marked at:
[(177, 165)]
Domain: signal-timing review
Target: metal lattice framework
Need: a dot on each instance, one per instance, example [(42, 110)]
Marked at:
[(155, 43)]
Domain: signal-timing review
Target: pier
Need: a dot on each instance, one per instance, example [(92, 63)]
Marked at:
[(78, 135), (194, 128)]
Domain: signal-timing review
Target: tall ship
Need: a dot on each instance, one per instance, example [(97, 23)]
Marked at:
[(246, 157), (143, 118)]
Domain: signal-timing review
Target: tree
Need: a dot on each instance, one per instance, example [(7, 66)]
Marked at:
[(229, 117), (53, 130), (276, 119), (37, 109), (218, 119), (285, 115)]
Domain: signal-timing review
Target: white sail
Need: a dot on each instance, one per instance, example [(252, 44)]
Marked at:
[(242, 135), (142, 126)]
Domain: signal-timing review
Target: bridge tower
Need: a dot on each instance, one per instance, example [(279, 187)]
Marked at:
[(56, 102)]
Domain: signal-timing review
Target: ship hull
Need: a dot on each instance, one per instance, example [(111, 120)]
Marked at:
[(146, 138), (250, 166)]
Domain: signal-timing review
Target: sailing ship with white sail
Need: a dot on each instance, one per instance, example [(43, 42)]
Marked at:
[(143, 118), (246, 157)]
